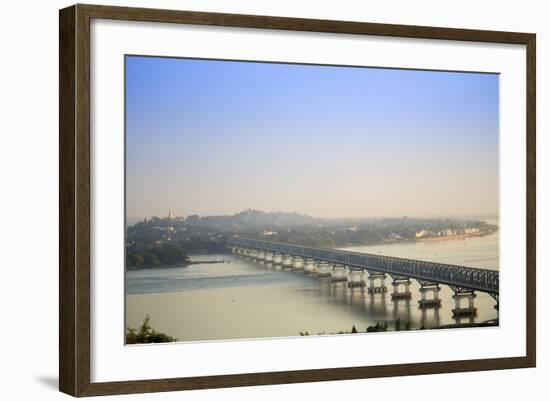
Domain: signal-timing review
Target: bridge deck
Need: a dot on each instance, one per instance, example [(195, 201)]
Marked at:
[(459, 276)]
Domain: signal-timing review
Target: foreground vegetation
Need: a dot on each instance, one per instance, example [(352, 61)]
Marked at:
[(399, 326), (378, 327), (146, 335), (155, 255)]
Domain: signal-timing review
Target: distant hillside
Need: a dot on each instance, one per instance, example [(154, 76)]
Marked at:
[(250, 219)]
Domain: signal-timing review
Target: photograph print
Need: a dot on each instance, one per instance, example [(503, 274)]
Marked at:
[(268, 200)]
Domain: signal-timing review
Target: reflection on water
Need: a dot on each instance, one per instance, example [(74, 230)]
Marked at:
[(247, 299)]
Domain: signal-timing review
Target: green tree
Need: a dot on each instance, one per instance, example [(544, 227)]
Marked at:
[(146, 334), (377, 327)]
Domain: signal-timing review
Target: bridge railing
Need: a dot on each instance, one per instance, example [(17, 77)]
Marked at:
[(454, 275)]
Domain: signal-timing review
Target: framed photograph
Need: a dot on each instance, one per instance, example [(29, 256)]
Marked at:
[(250, 200)]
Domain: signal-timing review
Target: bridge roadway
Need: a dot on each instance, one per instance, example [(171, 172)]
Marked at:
[(457, 277)]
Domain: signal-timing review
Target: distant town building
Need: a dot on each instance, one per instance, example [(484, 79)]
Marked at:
[(421, 233), (447, 232)]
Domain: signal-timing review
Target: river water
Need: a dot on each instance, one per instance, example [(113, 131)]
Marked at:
[(248, 299)]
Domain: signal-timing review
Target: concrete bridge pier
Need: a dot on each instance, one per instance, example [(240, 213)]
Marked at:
[(287, 262), (297, 264), (364, 277), (309, 266), (253, 255), (401, 281), (425, 288), (339, 273), (277, 259), (260, 256), (356, 279), (324, 269), (380, 288), (469, 310)]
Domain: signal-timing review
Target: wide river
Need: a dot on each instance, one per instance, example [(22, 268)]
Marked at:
[(247, 299)]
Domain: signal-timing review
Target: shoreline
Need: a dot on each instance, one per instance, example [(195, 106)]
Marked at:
[(451, 237), (197, 262), (207, 262), (419, 240)]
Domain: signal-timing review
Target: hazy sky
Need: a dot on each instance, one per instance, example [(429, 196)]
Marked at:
[(217, 137)]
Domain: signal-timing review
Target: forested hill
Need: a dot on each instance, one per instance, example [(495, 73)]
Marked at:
[(251, 218), (160, 242)]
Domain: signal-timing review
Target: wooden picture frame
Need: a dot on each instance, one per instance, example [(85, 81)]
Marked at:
[(74, 199)]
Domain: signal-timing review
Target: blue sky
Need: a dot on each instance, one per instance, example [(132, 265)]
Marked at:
[(217, 137)]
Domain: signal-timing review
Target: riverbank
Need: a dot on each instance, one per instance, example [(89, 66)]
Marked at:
[(489, 323), (398, 325), (454, 237), (180, 265), (348, 245), (481, 251), (207, 262)]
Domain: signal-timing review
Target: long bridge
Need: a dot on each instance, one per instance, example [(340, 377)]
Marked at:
[(340, 265)]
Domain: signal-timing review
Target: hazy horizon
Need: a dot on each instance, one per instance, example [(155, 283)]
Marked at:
[(134, 219), (219, 137)]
